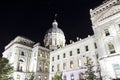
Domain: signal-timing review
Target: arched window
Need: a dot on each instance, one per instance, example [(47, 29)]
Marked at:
[(72, 77), (111, 47), (106, 32), (20, 65)]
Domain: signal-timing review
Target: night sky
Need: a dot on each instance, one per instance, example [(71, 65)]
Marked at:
[(32, 18)]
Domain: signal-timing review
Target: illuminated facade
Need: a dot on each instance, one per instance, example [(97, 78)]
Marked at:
[(28, 57)]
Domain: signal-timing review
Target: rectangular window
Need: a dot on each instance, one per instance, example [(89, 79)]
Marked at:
[(106, 32), (58, 67), (71, 64), (70, 53), (95, 45), (78, 51), (116, 68), (52, 68), (52, 58), (86, 48), (64, 55), (79, 63), (58, 57), (64, 66)]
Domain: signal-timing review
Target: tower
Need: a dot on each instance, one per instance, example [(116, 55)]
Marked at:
[(54, 38)]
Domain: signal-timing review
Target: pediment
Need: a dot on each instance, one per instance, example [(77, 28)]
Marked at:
[(107, 13)]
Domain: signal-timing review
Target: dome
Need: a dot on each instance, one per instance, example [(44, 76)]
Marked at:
[(54, 37), (55, 28)]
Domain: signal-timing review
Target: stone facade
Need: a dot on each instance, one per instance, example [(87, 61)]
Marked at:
[(28, 57)]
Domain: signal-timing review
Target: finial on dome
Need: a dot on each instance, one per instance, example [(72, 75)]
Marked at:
[(55, 16), (55, 24)]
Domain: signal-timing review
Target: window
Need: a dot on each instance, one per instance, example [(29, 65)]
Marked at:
[(106, 32), (22, 53), (78, 51), (64, 55), (95, 45), (79, 63), (64, 66), (58, 67), (52, 78), (71, 64), (111, 47), (52, 58), (52, 68), (116, 68), (64, 77), (39, 77), (86, 48), (72, 77), (18, 77), (70, 53), (45, 77), (58, 57), (46, 67)]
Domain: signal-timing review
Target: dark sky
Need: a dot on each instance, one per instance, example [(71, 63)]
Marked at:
[(32, 18)]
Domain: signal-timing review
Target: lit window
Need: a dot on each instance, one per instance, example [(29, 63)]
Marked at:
[(45, 77), (78, 51), (86, 48), (71, 64), (52, 58), (111, 48), (46, 67), (64, 65), (39, 77), (70, 53), (58, 67), (79, 63), (58, 57), (64, 55), (107, 32), (72, 77)]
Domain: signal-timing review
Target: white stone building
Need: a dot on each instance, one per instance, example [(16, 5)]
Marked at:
[(28, 57)]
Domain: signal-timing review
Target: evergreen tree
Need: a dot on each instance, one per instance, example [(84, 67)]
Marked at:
[(5, 69), (32, 77), (58, 76), (89, 73)]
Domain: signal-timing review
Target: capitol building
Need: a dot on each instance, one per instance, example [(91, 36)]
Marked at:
[(29, 57)]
